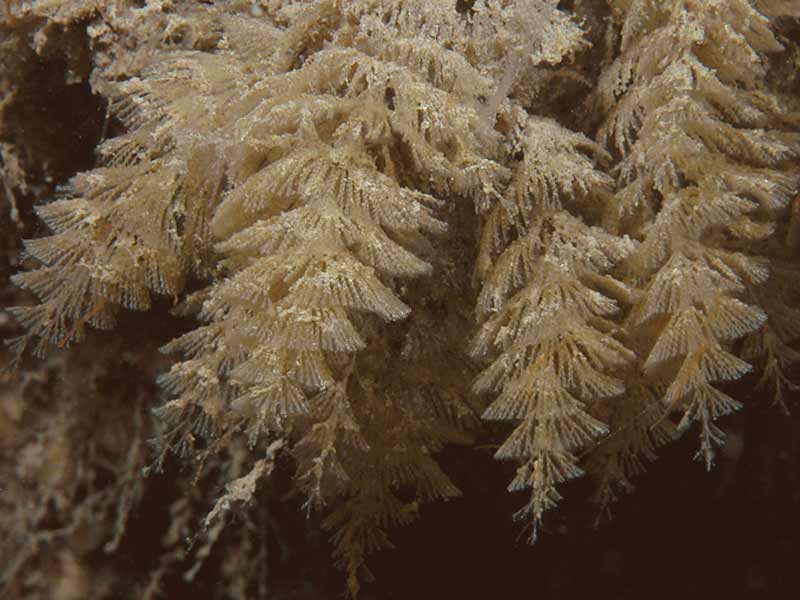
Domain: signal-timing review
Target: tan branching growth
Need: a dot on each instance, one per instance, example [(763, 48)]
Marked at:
[(371, 200), (706, 169), (331, 209), (546, 306)]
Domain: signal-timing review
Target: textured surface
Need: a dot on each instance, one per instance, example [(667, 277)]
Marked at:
[(381, 226)]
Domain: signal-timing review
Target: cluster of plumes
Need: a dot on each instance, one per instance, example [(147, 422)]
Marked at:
[(362, 120), (311, 161), (137, 225), (706, 165)]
